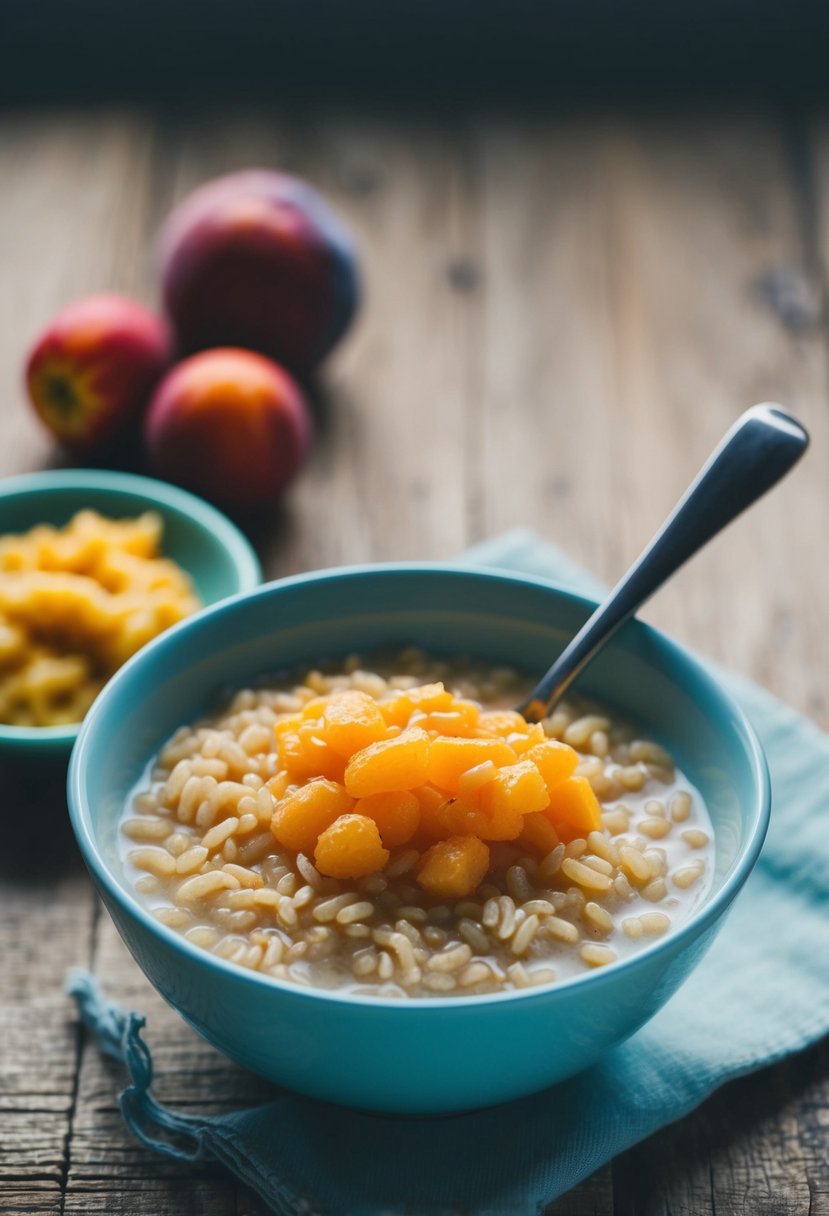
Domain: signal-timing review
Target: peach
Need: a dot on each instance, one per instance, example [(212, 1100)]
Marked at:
[(91, 373), (454, 868), (258, 259), (229, 424)]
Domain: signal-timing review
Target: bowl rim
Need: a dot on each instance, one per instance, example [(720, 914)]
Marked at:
[(160, 493), (696, 924)]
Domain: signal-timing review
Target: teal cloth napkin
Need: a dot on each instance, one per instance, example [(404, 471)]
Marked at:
[(761, 993)]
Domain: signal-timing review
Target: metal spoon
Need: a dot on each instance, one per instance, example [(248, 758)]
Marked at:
[(759, 449)]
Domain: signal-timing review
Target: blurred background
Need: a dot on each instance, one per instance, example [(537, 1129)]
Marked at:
[(419, 48), (588, 235)]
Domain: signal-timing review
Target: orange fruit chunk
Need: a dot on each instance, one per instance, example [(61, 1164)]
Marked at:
[(351, 721), (521, 743), (350, 847), (454, 868), (304, 755), (538, 832), (515, 788), (474, 778), (463, 815), (575, 806), (396, 710), (396, 813), (425, 699), (450, 758), (390, 764), (459, 816), (300, 816), (555, 761), (501, 722), (460, 720), (278, 785), (431, 801), (430, 697)]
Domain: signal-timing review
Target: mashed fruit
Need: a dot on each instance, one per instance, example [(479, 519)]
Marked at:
[(75, 603)]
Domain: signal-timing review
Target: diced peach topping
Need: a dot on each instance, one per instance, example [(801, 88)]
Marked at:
[(555, 761), (396, 813), (521, 742), (352, 721), (396, 710), (449, 759), (278, 785), (430, 697), (402, 707), (358, 776), (502, 722), (538, 832), (431, 800), (392, 764), (304, 754), (574, 806), (460, 816), (454, 868), (461, 720), (350, 848), (474, 778), (465, 816), (516, 786), (301, 815)]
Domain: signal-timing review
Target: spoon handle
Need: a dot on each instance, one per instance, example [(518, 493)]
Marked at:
[(759, 449)]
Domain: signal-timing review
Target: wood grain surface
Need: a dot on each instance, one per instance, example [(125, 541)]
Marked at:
[(562, 316)]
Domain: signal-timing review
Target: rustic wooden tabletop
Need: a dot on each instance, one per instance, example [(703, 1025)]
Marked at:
[(562, 317)]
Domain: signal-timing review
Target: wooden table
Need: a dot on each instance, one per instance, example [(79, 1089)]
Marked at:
[(562, 316)]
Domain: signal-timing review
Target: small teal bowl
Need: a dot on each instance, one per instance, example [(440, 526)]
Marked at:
[(203, 541), (432, 1055)]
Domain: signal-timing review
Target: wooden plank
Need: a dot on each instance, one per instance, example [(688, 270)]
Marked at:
[(71, 212), (715, 346), (545, 359), (757, 1148), (627, 321), (395, 454), (40, 873)]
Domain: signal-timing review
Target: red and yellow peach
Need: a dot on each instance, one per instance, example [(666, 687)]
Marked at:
[(230, 425), (91, 373), (258, 259)]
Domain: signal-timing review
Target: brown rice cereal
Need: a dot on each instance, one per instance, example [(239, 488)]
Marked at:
[(197, 845)]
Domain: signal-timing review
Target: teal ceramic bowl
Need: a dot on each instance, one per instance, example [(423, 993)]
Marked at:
[(431, 1055), (203, 541)]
